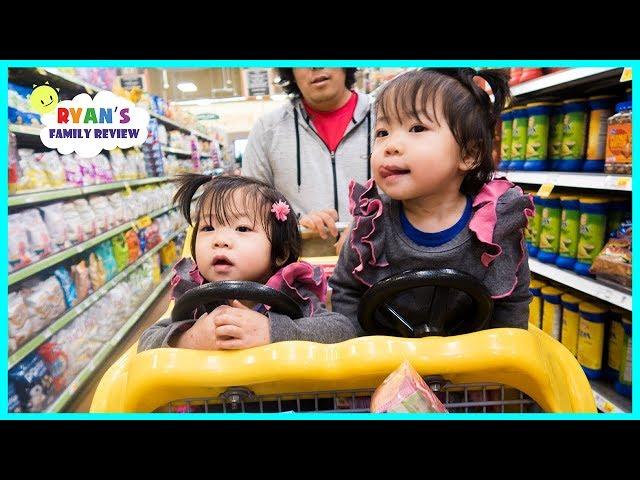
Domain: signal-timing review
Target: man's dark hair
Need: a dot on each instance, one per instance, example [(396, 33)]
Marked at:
[(289, 85)]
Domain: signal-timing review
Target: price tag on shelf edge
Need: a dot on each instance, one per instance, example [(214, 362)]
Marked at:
[(545, 190), (144, 222)]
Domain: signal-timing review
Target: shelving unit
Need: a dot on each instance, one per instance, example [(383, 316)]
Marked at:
[(607, 399), (65, 319), (30, 198), (108, 347), (595, 181)]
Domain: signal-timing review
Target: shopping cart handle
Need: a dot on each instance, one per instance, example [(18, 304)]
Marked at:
[(375, 299), (212, 294)]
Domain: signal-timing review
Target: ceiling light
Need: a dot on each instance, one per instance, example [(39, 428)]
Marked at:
[(187, 87)]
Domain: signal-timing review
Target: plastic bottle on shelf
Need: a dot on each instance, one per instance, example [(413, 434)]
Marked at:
[(591, 338), (535, 307), (552, 311), (569, 232), (570, 322), (505, 139), (623, 384), (550, 229), (574, 135), (618, 146), (614, 343), (534, 225), (600, 110), (556, 132), (518, 138), (593, 225), (536, 158)]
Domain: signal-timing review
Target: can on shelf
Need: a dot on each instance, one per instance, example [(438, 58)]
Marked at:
[(535, 307), (623, 385), (534, 225), (593, 226), (570, 322), (574, 135), (569, 231), (518, 137), (550, 229), (600, 109), (556, 125), (614, 343), (505, 139), (552, 311), (536, 158), (591, 338)]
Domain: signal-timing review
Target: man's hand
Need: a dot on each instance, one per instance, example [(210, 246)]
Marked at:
[(320, 221), (238, 326)]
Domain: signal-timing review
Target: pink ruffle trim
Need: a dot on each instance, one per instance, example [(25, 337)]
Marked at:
[(366, 207), (300, 275), (484, 221)]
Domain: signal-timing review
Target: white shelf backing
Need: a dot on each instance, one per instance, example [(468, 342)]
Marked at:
[(561, 78), (581, 283), (597, 181), (607, 399)]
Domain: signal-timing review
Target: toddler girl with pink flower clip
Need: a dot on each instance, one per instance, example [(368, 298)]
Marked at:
[(245, 230), (441, 206)]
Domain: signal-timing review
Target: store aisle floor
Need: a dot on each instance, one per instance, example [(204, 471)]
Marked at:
[(82, 401)]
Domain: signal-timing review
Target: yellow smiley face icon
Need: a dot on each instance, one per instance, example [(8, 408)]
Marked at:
[(44, 98)]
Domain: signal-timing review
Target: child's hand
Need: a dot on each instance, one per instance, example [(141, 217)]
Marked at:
[(201, 335), (320, 220), (238, 326)]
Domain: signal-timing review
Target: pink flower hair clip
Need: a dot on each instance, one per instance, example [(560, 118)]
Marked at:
[(281, 209)]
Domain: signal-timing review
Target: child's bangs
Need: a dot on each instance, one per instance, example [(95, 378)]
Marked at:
[(225, 205), (412, 95)]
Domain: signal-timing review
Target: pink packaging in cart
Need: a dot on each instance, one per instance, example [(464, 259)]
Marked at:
[(404, 390)]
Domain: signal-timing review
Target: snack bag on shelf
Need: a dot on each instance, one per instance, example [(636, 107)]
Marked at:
[(102, 169), (87, 218), (55, 222), (32, 382), (20, 329), (133, 244), (168, 254), (404, 390), (39, 238), (73, 224), (86, 169), (20, 254), (56, 361), (80, 274), (68, 288), (102, 210), (118, 165), (34, 177), (104, 252), (120, 251), (14, 405), (116, 207), (72, 172), (97, 272), (613, 263), (53, 167), (45, 301)]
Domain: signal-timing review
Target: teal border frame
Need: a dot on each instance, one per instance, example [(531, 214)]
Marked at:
[(5, 64)]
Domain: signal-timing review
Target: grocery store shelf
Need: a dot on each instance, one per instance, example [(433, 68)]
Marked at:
[(29, 198), (581, 283), (168, 121), (177, 151), (108, 347), (598, 181), (25, 130), (82, 247), (65, 319), (564, 78), (607, 399)]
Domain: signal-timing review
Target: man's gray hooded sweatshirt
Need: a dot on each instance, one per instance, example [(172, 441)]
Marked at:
[(285, 151)]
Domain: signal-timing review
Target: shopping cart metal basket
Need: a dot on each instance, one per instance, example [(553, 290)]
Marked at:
[(495, 370)]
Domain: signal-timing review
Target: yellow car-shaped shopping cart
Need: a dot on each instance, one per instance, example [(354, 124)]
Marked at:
[(495, 370)]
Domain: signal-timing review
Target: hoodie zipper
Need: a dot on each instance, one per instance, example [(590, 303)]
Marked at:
[(333, 159)]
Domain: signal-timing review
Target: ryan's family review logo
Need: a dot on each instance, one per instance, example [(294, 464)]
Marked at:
[(88, 125)]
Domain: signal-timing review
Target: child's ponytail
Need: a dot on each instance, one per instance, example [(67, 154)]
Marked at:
[(498, 80), (188, 184)]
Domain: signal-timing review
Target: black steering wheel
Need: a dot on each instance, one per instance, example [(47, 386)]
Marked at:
[(375, 300), (211, 294)]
